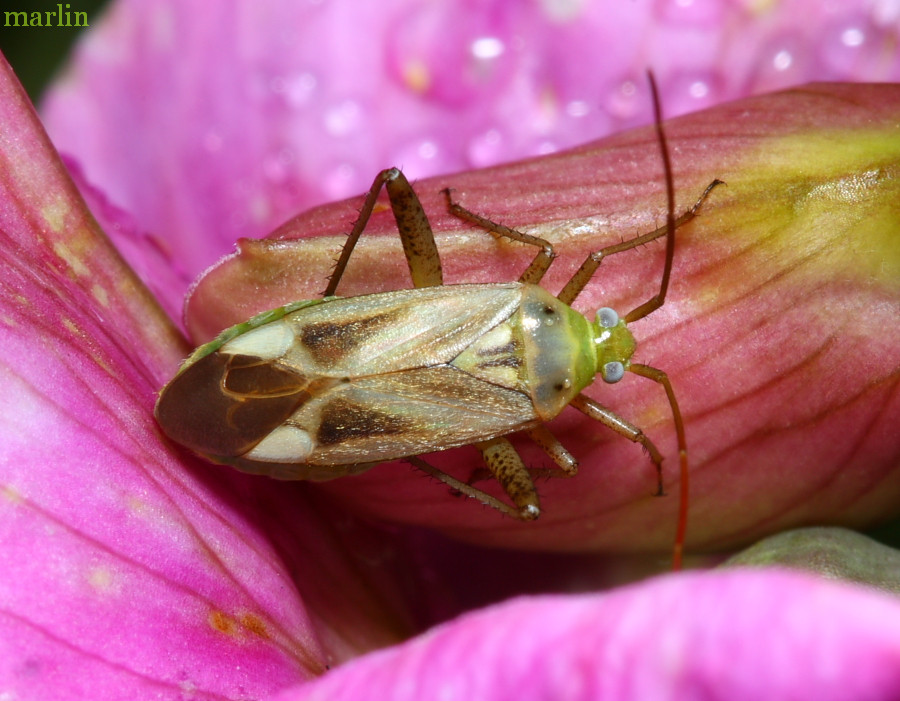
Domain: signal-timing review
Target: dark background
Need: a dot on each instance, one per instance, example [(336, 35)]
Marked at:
[(36, 52)]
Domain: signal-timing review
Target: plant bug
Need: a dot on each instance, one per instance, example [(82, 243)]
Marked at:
[(331, 387)]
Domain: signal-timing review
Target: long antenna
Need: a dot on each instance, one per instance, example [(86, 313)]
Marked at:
[(657, 300), (655, 303)]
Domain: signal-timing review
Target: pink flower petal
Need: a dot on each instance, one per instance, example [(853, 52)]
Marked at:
[(148, 255), (127, 572), (729, 636)]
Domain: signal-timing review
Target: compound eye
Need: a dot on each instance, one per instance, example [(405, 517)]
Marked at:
[(613, 372), (607, 318)]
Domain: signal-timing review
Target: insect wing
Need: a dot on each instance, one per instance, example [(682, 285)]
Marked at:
[(354, 380), (223, 403), (385, 417), (393, 331)]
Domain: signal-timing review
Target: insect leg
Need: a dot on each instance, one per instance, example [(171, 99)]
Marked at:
[(541, 435), (623, 428), (590, 265), (584, 274), (464, 488), (542, 260), (415, 231), (660, 377), (507, 467)]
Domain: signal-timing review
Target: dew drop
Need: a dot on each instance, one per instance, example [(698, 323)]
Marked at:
[(430, 53), (487, 48), (296, 90), (301, 88), (276, 167), (852, 47), (853, 36), (782, 60), (698, 90), (427, 150), (691, 92), (622, 101), (418, 156)]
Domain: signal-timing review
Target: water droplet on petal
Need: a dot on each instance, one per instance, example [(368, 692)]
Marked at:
[(430, 52), (276, 168), (853, 36), (782, 60), (852, 47), (625, 101), (691, 92), (487, 48), (419, 157), (301, 88), (427, 150)]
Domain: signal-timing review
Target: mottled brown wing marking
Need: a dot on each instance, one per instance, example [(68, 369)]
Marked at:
[(506, 349), (343, 420), (329, 343), (200, 414), (420, 411), (496, 357), (508, 361), (223, 405), (250, 376)]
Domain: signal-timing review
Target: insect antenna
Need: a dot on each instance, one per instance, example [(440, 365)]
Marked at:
[(657, 300), (652, 305)]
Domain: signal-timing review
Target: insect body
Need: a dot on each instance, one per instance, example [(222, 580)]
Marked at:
[(306, 391), (326, 388)]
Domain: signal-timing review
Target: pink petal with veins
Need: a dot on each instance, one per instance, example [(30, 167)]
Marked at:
[(126, 571), (779, 331), (729, 636)]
